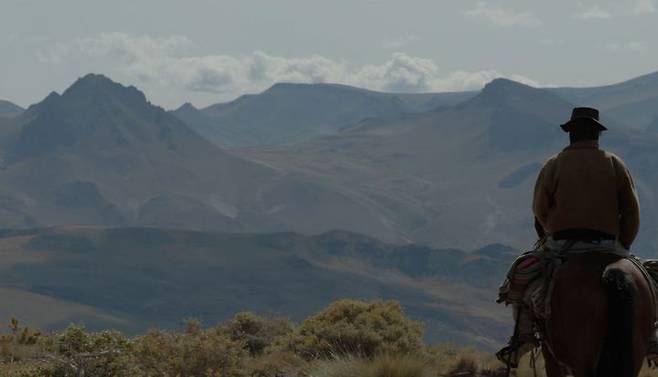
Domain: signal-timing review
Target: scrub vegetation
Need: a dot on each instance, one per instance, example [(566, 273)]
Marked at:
[(348, 338)]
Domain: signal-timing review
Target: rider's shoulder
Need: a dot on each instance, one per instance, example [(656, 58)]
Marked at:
[(616, 159), (551, 160)]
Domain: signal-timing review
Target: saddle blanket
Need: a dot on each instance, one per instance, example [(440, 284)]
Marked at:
[(526, 280)]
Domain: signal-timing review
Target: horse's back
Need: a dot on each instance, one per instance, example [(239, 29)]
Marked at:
[(583, 309)]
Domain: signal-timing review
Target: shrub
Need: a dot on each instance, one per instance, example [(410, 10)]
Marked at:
[(357, 328), (466, 367), (19, 343), (257, 333), (76, 352), (202, 353)]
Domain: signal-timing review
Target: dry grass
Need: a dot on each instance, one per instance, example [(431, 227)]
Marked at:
[(446, 361), (381, 366)]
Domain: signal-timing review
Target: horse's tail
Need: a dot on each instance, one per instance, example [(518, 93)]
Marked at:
[(616, 359)]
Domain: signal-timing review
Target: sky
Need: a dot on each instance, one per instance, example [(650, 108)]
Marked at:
[(210, 51)]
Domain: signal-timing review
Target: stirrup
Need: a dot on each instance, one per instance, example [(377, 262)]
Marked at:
[(508, 355), (511, 354)]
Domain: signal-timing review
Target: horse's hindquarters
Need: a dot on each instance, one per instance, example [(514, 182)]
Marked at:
[(579, 325)]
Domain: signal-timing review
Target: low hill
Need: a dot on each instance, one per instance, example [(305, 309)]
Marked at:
[(138, 278)]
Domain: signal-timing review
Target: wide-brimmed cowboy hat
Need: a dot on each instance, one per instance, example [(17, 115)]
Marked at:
[(583, 116)]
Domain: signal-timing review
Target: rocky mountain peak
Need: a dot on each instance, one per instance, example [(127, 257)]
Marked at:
[(502, 89), (508, 95), (94, 113), (95, 88), (187, 107)]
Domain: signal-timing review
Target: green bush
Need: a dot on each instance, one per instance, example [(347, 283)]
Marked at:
[(257, 333), (350, 327), (19, 343), (76, 352), (202, 353), (347, 339)]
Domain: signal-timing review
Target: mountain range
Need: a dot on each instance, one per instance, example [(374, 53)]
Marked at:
[(116, 211), (462, 176), (447, 170), (101, 154), (289, 113)]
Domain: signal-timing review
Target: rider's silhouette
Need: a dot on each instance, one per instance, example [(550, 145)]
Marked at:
[(584, 199)]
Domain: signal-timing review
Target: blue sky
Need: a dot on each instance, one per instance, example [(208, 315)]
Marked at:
[(208, 51)]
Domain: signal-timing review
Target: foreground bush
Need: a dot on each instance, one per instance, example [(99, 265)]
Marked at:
[(73, 352), (347, 339), (350, 327), (255, 332), (198, 353)]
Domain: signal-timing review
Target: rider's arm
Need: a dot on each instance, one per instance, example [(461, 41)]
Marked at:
[(629, 208), (542, 198)]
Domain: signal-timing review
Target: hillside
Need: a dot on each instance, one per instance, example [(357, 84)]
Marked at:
[(289, 113), (101, 154), (462, 176), (134, 279), (631, 103), (8, 109)]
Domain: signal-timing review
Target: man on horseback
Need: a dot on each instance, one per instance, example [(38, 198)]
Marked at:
[(584, 200)]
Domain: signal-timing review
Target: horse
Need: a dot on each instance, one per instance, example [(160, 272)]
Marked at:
[(601, 314)]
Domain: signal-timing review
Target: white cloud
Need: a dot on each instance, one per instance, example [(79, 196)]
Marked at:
[(631, 46), (551, 42), (501, 16), (594, 13), (56, 54), (645, 7), (399, 42), (638, 46), (143, 57), (402, 73), (605, 9), (165, 63)]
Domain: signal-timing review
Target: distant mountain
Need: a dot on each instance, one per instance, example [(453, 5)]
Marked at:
[(455, 176), (101, 154), (134, 279), (103, 141), (289, 113), (8, 109), (462, 176), (632, 103)]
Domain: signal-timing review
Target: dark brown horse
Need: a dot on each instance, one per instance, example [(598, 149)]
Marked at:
[(602, 314)]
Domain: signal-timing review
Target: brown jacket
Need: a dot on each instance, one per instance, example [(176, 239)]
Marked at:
[(584, 187)]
